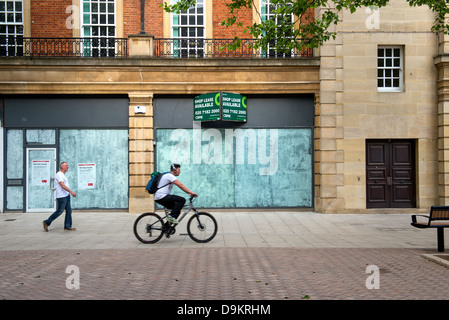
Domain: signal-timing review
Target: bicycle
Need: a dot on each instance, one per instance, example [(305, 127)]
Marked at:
[(149, 227)]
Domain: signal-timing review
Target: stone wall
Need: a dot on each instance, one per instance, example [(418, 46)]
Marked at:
[(352, 110)]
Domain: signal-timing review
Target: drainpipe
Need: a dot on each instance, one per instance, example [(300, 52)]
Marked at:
[(142, 17)]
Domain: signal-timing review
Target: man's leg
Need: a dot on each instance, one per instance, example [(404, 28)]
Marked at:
[(165, 201), (68, 214), (178, 204), (61, 203), (173, 202)]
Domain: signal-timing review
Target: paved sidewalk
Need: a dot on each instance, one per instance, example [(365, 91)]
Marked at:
[(286, 229), (280, 255)]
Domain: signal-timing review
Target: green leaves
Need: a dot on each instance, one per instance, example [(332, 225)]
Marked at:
[(440, 7), (178, 6), (292, 26)]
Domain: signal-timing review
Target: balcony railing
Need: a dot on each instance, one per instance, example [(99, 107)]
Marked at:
[(189, 48), (218, 48), (63, 47)]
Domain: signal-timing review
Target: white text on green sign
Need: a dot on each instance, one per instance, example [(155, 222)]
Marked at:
[(207, 107), (233, 107)]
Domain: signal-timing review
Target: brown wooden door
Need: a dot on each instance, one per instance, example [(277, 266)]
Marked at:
[(390, 174)]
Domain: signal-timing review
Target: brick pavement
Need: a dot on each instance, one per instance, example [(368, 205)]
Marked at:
[(282, 256), (222, 274)]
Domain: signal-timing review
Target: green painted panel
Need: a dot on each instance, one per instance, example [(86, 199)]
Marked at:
[(14, 198), (14, 154), (106, 153), (244, 168), (41, 136), (287, 181), (41, 169), (202, 177)]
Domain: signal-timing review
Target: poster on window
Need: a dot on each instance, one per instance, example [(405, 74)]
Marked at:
[(40, 172), (87, 176)]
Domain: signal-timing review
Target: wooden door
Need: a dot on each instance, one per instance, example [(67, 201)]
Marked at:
[(390, 174)]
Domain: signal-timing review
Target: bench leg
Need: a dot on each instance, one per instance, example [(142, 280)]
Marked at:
[(440, 235)]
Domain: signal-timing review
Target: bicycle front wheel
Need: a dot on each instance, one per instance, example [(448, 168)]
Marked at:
[(202, 227), (148, 227)]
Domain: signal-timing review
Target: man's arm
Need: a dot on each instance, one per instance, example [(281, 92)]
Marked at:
[(184, 188), (62, 184)]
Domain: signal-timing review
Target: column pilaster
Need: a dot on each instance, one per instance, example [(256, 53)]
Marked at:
[(141, 151)]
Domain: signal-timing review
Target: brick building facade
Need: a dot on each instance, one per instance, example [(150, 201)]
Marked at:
[(331, 115), (48, 18)]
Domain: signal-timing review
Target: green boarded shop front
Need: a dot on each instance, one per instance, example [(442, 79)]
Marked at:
[(257, 158)]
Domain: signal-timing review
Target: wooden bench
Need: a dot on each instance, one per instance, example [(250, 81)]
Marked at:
[(438, 218)]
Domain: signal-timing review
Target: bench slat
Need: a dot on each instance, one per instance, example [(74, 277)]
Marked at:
[(439, 214)]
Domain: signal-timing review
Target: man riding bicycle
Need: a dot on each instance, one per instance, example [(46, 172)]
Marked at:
[(164, 197)]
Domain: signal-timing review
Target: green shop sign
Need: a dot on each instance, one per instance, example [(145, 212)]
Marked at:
[(233, 107), (220, 106), (206, 107)]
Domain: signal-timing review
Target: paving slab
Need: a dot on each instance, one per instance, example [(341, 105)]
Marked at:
[(267, 255)]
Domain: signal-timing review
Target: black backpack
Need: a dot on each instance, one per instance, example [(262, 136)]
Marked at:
[(154, 182)]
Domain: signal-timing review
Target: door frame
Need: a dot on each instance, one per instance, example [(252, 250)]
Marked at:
[(51, 182)]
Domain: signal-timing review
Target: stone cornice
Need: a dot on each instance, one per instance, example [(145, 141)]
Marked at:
[(160, 76), (159, 62), (441, 59)]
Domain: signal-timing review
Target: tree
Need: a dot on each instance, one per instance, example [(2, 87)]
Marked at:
[(290, 27)]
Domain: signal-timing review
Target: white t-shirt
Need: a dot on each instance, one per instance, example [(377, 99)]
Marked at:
[(60, 192), (166, 183)]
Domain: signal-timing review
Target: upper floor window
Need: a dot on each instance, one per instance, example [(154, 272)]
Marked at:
[(389, 69), (98, 28), (268, 11), (11, 28), (188, 31)]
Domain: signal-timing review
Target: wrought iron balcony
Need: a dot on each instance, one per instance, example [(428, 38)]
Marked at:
[(18, 46), (218, 48), (189, 48)]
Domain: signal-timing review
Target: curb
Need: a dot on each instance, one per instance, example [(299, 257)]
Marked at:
[(438, 258)]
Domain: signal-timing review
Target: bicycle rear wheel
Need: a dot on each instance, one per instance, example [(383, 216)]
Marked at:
[(202, 227), (148, 227)]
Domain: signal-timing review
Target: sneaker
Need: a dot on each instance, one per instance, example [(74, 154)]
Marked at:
[(171, 219)]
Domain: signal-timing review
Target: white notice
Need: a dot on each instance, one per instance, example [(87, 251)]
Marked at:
[(40, 172), (87, 176)]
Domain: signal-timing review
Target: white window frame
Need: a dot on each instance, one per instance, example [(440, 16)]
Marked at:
[(14, 27), (184, 48), (103, 46), (389, 70), (265, 15)]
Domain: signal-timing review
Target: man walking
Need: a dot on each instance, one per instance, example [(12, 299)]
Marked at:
[(63, 193)]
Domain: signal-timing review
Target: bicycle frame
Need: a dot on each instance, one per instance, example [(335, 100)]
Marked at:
[(189, 207)]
